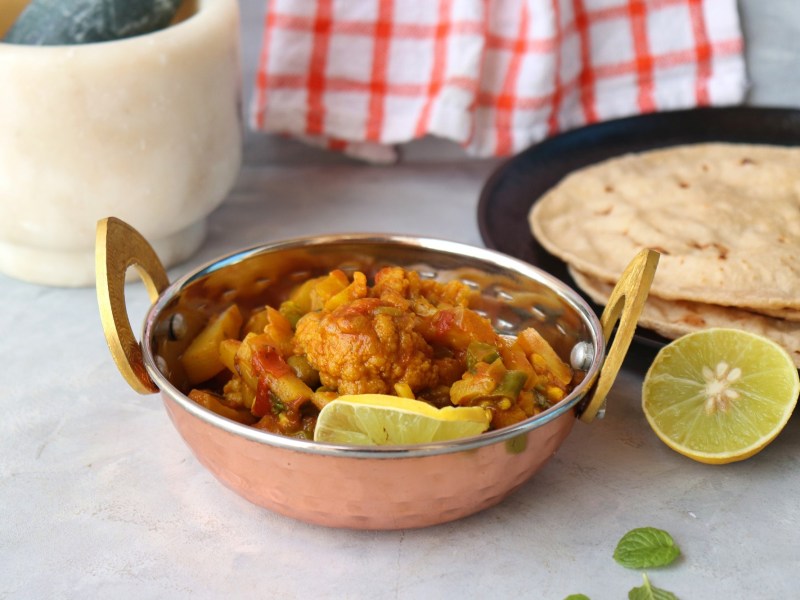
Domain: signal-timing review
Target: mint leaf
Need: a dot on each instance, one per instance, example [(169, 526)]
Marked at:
[(577, 597), (650, 592), (646, 547)]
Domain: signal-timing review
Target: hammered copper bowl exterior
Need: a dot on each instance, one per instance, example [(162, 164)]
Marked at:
[(369, 493), (368, 487)]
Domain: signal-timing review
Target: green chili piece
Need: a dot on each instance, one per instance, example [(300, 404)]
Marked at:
[(480, 352), (511, 384)]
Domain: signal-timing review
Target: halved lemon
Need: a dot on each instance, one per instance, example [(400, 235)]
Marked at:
[(378, 420), (720, 395)]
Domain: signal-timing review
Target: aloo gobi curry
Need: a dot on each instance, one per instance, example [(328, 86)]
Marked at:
[(400, 334)]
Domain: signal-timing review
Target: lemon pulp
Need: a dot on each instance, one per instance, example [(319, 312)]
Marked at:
[(377, 420), (720, 395)]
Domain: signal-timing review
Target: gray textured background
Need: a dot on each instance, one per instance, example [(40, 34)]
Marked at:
[(772, 34)]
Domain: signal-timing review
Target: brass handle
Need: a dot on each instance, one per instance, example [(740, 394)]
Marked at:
[(118, 247), (625, 304)]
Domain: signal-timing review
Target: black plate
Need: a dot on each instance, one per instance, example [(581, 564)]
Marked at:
[(518, 183)]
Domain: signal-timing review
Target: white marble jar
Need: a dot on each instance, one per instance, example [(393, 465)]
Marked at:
[(147, 129)]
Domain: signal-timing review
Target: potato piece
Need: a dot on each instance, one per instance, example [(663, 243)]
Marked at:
[(357, 289), (301, 295), (227, 353), (201, 360), (275, 374), (455, 328), (257, 322), (275, 326), (215, 404), (243, 369), (327, 287), (544, 359), (280, 331)]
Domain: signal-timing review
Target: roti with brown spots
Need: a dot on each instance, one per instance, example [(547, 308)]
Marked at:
[(673, 319), (725, 218)]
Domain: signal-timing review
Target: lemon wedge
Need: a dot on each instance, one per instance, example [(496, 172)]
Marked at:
[(720, 395), (378, 420)]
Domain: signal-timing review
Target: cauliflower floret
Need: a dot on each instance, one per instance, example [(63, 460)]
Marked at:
[(366, 346), (408, 291)]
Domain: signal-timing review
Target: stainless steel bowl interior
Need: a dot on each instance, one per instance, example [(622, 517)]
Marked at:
[(513, 295)]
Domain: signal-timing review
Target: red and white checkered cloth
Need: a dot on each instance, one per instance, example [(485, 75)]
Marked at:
[(493, 75)]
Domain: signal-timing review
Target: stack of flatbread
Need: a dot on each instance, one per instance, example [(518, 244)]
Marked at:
[(725, 218)]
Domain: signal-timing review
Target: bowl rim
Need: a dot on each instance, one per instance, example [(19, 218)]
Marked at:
[(498, 259)]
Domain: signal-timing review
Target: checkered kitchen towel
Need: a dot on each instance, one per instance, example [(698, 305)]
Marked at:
[(493, 75)]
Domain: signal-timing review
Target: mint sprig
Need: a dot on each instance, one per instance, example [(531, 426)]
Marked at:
[(645, 548), (649, 592)]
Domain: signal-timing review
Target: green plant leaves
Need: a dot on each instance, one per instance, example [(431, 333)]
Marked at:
[(645, 548), (650, 592)]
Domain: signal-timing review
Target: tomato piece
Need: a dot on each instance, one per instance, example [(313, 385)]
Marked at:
[(267, 360)]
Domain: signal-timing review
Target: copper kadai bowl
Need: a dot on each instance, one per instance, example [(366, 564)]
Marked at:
[(384, 487)]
